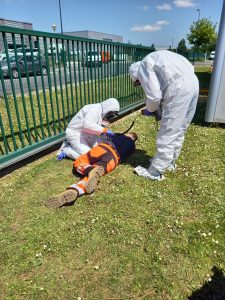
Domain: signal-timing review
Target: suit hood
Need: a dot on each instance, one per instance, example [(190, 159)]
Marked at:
[(110, 104), (133, 70)]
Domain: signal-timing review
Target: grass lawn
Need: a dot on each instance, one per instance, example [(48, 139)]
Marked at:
[(131, 239)]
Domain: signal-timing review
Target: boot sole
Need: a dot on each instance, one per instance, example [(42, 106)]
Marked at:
[(93, 179), (59, 200)]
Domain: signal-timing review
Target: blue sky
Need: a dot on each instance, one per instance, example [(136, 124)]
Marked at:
[(162, 22)]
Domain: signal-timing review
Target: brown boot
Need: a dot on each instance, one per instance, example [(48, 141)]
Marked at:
[(59, 200), (93, 179)]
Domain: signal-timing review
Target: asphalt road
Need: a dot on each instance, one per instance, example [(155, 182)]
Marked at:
[(86, 74), (203, 63)]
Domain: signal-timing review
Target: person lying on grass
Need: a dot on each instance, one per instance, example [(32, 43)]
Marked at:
[(98, 161)]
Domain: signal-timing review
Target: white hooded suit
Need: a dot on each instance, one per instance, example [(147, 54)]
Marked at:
[(168, 79), (83, 130)]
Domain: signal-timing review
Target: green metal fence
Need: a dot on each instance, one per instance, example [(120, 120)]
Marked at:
[(46, 78)]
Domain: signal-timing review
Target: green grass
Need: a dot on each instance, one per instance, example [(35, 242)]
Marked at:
[(49, 112), (132, 239)]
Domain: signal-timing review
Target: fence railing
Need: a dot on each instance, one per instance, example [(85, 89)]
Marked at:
[(46, 78)]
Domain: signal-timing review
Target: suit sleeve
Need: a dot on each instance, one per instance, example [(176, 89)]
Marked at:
[(150, 85), (91, 122)]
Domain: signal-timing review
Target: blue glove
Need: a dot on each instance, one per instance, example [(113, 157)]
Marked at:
[(147, 113), (110, 133), (61, 155)]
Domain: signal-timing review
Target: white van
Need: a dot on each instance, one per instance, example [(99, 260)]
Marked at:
[(53, 49), (212, 55)]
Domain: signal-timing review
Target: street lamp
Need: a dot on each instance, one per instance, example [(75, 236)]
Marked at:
[(60, 12), (177, 39), (53, 46), (172, 42), (198, 9), (54, 27)]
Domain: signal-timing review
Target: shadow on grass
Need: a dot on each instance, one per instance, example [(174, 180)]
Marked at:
[(199, 117), (212, 290), (200, 114), (28, 160), (138, 158), (204, 79)]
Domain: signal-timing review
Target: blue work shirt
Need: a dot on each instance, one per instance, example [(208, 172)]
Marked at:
[(124, 145)]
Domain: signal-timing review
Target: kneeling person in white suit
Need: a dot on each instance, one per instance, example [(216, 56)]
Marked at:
[(82, 133)]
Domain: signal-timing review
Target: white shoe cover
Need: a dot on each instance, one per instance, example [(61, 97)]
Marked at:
[(141, 171), (172, 167)]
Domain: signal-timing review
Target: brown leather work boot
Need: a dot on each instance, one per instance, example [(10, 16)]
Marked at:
[(59, 200), (93, 179)]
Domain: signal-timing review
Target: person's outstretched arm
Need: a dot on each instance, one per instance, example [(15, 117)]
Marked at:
[(151, 86), (91, 122)]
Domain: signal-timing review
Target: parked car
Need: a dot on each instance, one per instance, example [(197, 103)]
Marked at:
[(76, 54), (212, 55), (91, 58), (20, 51), (38, 66), (3, 54)]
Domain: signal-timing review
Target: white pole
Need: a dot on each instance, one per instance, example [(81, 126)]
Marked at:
[(215, 110)]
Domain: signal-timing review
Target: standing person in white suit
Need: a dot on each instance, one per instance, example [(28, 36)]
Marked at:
[(169, 81), (82, 133)]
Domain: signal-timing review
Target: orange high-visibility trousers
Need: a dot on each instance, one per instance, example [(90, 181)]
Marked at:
[(101, 155)]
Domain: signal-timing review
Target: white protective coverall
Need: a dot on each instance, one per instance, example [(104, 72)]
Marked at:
[(168, 79), (82, 133)]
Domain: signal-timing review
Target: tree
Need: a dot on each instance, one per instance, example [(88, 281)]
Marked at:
[(182, 48), (152, 47), (203, 35)]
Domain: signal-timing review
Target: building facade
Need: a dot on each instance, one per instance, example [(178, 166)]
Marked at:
[(96, 36), (17, 24)]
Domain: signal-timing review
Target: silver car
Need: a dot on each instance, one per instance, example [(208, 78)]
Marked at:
[(38, 64)]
